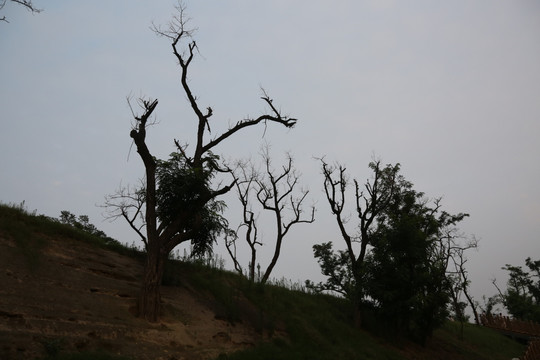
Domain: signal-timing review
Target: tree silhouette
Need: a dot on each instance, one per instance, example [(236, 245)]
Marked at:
[(165, 230), (276, 192), (370, 201)]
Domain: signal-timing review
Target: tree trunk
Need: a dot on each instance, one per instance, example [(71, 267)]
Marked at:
[(149, 302), (357, 316), (473, 307)]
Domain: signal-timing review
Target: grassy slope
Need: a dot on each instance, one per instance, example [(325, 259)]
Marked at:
[(300, 325), (319, 327)]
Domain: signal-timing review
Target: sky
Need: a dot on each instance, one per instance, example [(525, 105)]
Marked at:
[(448, 89)]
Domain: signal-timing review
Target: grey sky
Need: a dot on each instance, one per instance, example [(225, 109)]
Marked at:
[(449, 89)]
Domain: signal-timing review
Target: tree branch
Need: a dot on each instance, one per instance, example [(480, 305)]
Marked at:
[(277, 117)]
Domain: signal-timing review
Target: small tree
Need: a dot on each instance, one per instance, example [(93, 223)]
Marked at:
[(246, 178), (399, 260), (82, 222), (522, 296), (407, 268), (337, 268), (276, 193), (454, 252), (370, 201), (168, 224)]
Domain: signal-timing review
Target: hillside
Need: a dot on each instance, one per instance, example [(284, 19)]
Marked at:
[(64, 292)]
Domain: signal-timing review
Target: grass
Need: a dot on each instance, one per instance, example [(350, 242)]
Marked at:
[(292, 323), (317, 327), (30, 232), (479, 342)]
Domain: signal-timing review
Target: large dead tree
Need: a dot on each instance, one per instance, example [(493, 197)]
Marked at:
[(162, 237)]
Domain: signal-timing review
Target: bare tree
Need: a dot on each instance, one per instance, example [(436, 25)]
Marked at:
[(26, 3), (370, 202), (275, 192), (163, 236), (245, 185), (462, 275), (128, 203), (450, 253)]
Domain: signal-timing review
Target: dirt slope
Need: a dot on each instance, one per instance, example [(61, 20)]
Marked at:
[(78, 297)]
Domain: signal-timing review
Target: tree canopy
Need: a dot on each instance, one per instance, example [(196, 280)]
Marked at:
[(182, 189), (406, 245), (522, 296)]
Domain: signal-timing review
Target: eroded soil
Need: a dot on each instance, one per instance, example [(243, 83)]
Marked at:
[(80, 298)]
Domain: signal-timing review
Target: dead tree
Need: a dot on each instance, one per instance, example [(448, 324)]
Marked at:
[(275, 192), (461, 275), (449, 251), (128, 203), (245, 183), (163, 237)]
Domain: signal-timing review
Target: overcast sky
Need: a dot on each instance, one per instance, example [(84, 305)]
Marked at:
[(449, 89)]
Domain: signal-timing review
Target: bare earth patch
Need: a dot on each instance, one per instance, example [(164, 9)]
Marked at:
[(80, 298)]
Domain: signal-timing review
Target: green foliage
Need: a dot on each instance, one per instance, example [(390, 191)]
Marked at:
[(401, 270), (406, 282), (337, 267), (490, 304), (522, 297), (185, 191), (81, 222)]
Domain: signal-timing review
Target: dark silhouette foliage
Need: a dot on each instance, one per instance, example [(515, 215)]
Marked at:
[(406, 280), (81, 222), (401, 273), (182, 188), (522, 296)]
